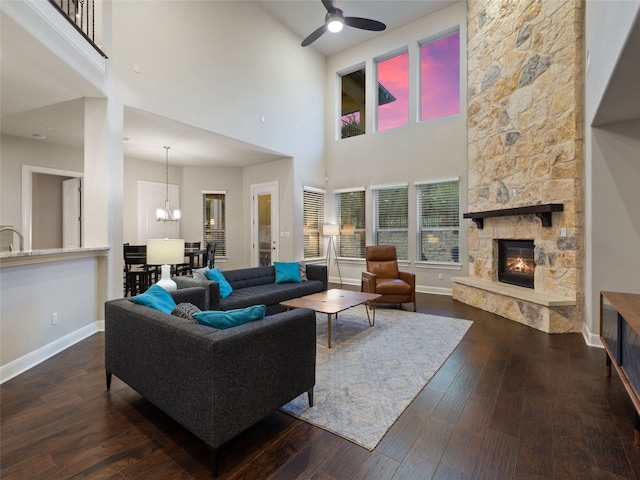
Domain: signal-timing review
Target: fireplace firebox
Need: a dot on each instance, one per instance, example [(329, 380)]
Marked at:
[(516, 264)]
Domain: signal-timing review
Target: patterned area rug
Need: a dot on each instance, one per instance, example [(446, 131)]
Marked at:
[(371, 374)]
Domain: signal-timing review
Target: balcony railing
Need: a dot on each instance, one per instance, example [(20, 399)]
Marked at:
[(82, 15)]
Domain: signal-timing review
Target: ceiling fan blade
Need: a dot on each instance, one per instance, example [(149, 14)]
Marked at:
[(364, 23), (314, 36), (330, 5)]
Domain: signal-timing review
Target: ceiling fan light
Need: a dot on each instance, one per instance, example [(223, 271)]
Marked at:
[(335, 25)]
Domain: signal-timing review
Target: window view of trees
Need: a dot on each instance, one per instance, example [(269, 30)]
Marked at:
[(353, 110)]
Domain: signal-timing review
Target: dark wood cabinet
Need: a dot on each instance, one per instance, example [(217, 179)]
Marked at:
[(620, 335)]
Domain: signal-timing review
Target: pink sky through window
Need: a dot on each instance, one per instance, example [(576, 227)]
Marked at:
[(440, 77), (393, 74)]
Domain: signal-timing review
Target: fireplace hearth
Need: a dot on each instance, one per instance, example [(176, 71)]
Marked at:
[(516, 264)]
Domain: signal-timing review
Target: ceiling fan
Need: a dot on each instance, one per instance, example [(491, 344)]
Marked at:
[(334, 20)]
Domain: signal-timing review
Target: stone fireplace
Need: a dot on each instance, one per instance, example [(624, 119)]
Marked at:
[(525, 162)]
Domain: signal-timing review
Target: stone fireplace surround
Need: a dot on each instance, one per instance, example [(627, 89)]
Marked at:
[(525, 97)]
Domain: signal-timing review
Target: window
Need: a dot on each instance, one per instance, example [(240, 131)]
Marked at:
[(352, 116), (313, 213), (438, 221), (393, 92), (440, 77), (350, 212), (214, 223), (391, 218)]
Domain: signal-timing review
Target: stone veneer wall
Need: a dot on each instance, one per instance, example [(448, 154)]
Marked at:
[(525, 132)]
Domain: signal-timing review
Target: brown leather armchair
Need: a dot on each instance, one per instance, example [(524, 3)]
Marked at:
[(382, 276)]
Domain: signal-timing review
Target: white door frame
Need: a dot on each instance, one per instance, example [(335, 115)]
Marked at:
[(27, 195), (257, 189)]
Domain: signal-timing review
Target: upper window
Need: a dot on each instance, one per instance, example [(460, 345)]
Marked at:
[(440, 77), (350, 212), (438, 221), (391, 218), (313, 213), (393, 91), (353, 113), (214, 223)]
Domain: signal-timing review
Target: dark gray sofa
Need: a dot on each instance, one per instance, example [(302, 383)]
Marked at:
[(215, 383), (255, 286)]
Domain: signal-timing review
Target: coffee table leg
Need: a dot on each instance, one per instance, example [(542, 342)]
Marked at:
[(329, 330), (371, 305)]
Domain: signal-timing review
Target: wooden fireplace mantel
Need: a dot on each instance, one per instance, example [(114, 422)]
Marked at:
[(543, 212)]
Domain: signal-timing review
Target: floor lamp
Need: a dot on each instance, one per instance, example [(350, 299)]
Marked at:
[(331, 231)]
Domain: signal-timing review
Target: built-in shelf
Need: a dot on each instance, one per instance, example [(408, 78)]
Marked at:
[(543, 212)]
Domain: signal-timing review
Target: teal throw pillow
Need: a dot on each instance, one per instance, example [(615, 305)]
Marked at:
[(216, 275), (156, 297), (230, 318), (287, 272)]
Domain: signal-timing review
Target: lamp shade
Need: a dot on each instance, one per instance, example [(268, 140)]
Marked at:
[(165, 251), (330, 230)]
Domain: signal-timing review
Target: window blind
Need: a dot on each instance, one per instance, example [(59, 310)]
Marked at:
[(214, 221), (391, 218), (313, 213), (438, 221), (351, 215)]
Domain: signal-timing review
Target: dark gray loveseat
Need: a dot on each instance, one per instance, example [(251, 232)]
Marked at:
[(256, 286), (215, 383)]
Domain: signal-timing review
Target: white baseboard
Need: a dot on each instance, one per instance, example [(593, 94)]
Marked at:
[(419, 288), (30, 360), (591, 339)]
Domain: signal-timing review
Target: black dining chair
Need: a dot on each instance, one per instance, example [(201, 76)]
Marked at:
[(196, 259), (138, 274), (211, 254)]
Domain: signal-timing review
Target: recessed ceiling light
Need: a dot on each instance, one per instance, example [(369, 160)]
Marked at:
[(39, 136)]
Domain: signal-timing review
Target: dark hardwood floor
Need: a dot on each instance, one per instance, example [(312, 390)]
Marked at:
[(510, 403)]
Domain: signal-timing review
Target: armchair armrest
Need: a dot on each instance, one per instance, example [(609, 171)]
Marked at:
[(368, 282), (410, 278)]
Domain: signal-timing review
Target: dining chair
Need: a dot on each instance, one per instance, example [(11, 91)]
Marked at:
[(211, 254), (139, 275)]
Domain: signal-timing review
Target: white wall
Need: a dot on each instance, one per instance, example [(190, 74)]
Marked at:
[(417, 152), (223, 75), (612, 164)]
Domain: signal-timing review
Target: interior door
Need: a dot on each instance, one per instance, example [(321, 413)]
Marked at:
[(71, 213), (265, 224)]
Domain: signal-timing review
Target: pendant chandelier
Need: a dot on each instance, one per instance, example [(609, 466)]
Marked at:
[(166, 215)]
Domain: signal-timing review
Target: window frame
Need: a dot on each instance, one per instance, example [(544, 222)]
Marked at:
[(221, 244), (363, 113), (350, 232), (320, 220), (375, 194), (448, 228)]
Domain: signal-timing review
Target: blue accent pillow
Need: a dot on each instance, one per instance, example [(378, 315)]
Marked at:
[(156, 297), (230, 318), (287, 272), (216, 275)]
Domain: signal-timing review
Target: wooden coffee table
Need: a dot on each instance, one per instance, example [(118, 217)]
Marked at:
[(334, 301)]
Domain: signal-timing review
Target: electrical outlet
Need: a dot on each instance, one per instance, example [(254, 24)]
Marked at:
[(563, 232), (54, 318), (514, 192), (439, 276)]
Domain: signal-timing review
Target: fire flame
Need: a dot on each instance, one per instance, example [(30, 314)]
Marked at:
[(520, 266)]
